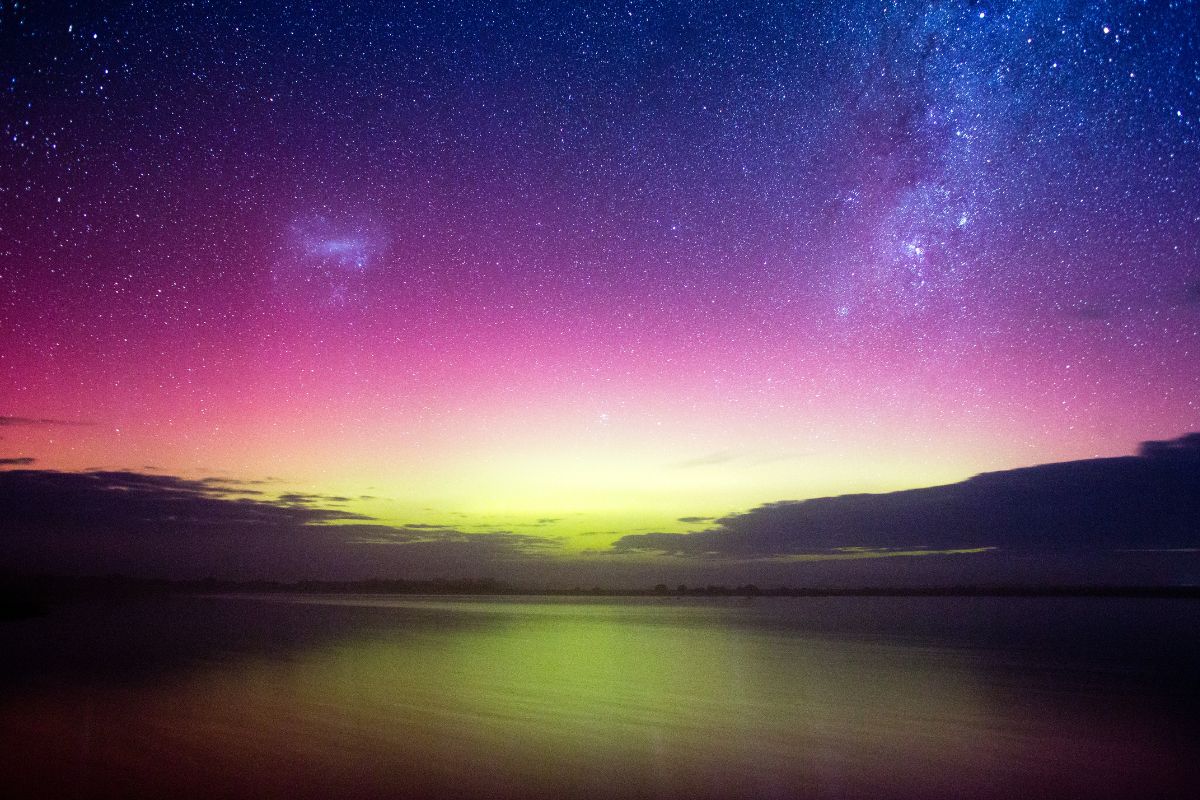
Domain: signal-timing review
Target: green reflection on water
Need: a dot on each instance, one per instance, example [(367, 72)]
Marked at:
[(664, 701), (528, 699)]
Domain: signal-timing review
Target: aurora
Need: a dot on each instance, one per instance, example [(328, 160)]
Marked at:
[(581, 275)]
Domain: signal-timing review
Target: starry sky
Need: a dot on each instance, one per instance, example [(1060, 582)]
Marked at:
[(575, 272)]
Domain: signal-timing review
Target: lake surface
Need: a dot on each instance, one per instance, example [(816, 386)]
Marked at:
[(386, 696)]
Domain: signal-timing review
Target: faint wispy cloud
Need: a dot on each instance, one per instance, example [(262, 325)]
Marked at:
[(719, 457), (37, 422)]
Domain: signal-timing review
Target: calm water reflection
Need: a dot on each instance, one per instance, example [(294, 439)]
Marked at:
[(393, 697)]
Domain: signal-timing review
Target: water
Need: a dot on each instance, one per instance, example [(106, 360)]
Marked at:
[(527, 698)]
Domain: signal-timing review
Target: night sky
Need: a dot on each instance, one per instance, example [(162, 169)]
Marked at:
[(562, 274)]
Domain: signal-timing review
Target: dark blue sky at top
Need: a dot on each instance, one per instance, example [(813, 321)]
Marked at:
[(786, 141)]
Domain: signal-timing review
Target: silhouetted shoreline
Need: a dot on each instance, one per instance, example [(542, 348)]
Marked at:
[(29, 596)]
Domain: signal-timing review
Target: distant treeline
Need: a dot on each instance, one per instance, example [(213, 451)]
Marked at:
[(25, 596)]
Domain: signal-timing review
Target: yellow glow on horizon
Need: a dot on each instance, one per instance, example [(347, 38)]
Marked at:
[(591, 498)]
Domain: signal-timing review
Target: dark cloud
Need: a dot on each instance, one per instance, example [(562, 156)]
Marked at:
[(124, 501), (228, 481), (1039, 523), (495, 541), (1184, 447), (304, 498), (1151, 500), (36, 422), (696, 520), (108, 521), (20, 461)]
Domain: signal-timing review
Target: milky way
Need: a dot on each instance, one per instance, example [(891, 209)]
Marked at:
[(615, 263)]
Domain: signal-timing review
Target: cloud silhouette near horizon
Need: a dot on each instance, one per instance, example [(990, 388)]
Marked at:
[(1150, 501), (1047, 522), (160, 524)]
